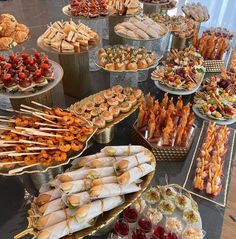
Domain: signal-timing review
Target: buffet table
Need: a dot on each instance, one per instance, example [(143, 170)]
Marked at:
[(218, 222)]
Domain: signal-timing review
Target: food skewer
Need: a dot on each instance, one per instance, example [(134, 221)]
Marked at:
[(41, 148), (50, 129), (30, 108), (20, 154), (17, 170), (44, 106), (44, 124), (9, 163)]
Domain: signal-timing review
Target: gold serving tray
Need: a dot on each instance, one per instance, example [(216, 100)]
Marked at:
[(41, 169), (214, 65), (117, 120), (104, 219), (163, 153)]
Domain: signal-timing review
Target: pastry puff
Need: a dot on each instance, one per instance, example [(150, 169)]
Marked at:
[(6, 43)]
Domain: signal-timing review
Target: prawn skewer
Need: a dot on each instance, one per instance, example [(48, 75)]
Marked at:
[(30, 108), (17, 170), (44, 124)]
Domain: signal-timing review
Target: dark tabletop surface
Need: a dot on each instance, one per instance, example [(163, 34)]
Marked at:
[(36, 14)]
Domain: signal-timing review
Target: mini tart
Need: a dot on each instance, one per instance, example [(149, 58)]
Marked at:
[(102, 50), (99, 122), (107, 116), (110, 66), (120, 66), (89, 106), (102, 55), (80, 110), (149, 61), (192, 233), (181, 201), (138, 93), (125, 107), (168, 192), (87, 116), (103, 61), (132, 100), (152, 195), (98, 99), (112, 102), (191, 216), (103, 106), (115, 110), (142, 64), (95, 112), (167, 207), (120, 97), (132, 66), (117, 89), (108, 94), (152, 56), (127, 90), (154, 215), (172, 224)]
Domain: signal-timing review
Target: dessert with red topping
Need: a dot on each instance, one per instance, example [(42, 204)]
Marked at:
[(24, 72)]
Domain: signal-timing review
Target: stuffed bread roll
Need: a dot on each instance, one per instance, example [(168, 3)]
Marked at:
[(122, 150), (47, 196), (81, 161), (105, 180), (112, 189), (135, 173), (76, 186), (76, 200), (129, 162), (50, 207), (93, 209), (86, 173), (101, 162), (62, 229), (53, 218)]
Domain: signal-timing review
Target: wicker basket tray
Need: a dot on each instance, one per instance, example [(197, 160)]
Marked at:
[(163, 153), (214, 65)]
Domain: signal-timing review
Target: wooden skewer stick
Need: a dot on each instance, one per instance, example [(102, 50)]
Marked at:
[(17, 170), (41, 148), (51, 116), (31, 142), (4, 117), (44, 124), (7, 145), (6, 153), (7, 120), (44, 106), (21, 154), (30, 108), (41, 117), (20, 133), (50, 129), (9, 163)]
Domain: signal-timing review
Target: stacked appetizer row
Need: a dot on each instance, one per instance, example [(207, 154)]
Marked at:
[(103, 108), (140, 28), (88, 8), (11, 32), (163, 213), (25, 73), (165, 124), (69, 37), (122, 58), (41, 137), (217, 99), (183, 70), (80, 195), (210, 160), (123, 7), (210, 45), (196, 11)]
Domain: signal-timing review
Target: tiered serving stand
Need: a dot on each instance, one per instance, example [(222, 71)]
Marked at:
[(97, 25), (76, 70)]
